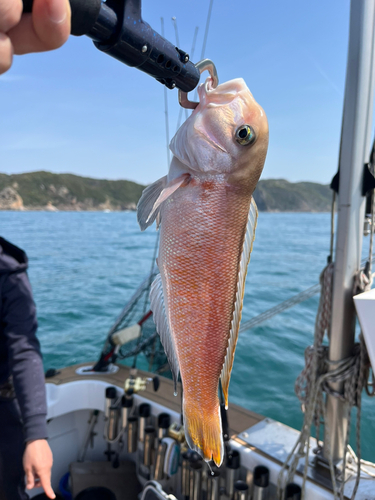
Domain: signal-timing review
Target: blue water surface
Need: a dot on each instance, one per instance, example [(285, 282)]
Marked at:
[(84, 266)]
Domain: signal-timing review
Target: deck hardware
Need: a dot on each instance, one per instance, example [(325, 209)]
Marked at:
[(176, 432)]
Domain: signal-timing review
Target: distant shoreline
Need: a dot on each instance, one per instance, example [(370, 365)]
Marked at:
[(45, 191)]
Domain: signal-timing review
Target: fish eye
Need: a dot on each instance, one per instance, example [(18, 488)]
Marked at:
[(245, 135)]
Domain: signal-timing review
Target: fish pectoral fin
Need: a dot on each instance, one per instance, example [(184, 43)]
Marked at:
[(169, 189), (237, 311), (147, 202), (148, 208), (162, 326)]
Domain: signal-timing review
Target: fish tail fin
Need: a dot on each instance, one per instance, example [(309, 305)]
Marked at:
[(203, 432)]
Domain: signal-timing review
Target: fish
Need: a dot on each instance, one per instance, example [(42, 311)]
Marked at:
[(207, 217)]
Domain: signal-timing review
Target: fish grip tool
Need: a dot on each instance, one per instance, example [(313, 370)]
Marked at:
[(117, 29)]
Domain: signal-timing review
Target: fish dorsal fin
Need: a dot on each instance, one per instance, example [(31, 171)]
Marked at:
[(162, 326), (237, 311), (147, 202)]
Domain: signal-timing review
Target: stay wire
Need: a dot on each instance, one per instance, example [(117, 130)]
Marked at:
[(191, 57), (205, 38), (147, 290)]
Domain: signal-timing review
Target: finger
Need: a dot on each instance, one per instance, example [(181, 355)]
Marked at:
[(45, 479), (47, 28), (10, 14), (6, 53), (29, 479)]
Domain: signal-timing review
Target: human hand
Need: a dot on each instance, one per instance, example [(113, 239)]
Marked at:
[(47, 28), (37, 463)]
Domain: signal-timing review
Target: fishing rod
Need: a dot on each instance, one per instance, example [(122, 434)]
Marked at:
[(117, 29)]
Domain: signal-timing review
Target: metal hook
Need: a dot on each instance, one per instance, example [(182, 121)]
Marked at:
[(205, 64)]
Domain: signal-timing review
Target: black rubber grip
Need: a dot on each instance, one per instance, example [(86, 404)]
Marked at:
[(84, 14)]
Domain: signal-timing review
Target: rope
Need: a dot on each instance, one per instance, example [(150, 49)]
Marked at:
[(317, 377), (310, 383)]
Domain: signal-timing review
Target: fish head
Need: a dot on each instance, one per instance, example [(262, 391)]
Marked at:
[(226, 134)]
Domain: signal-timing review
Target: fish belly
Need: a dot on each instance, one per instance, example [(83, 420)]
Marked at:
[(202, 234)]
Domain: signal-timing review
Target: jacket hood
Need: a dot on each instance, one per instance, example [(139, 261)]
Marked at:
[(12, 258)]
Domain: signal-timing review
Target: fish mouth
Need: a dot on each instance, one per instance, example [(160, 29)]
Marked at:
[(223, 94)]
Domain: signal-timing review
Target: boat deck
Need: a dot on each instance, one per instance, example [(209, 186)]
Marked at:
[(239, 418)]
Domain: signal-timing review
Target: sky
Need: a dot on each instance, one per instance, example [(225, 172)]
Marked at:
[(77, 110)]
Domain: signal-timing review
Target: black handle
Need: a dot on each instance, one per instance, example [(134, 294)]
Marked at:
[(118, 30)]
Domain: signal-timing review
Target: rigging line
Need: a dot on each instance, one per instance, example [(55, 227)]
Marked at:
[(166, 105), (191, 58), (148, 290), (174, 20), (283, 306), (207, 28), (205, 39), (286, 304)]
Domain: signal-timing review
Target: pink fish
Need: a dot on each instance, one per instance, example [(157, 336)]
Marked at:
[(207, 217)]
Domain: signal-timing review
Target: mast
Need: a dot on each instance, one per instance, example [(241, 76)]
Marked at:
[(354, 150)]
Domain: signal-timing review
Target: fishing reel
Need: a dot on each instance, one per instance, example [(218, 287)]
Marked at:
[(117, 29), (133, 384)]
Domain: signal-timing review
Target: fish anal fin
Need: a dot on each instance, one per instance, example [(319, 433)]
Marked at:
[(237, 310), (162, 326), (147, 202)]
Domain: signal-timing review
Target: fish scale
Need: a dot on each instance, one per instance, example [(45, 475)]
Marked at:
[(199, 261)]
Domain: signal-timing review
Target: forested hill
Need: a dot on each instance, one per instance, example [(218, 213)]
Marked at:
[(47, 191)]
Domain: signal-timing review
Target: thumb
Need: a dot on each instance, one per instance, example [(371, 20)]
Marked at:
[(47, 28), (45, 480), (29, 479)]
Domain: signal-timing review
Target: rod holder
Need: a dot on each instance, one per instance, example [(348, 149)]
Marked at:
[(164, 421), (195, 486), (261, 477), (159, 461), (213, 484), (149, 440), (144, 412), (132, 434), (232, 472), (185, 474), (241, 490), (293, 492)]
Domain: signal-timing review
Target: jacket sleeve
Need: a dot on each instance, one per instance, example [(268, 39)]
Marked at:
[(19, 326)]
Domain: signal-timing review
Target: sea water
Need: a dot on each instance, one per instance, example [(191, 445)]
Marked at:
[(84, 266)]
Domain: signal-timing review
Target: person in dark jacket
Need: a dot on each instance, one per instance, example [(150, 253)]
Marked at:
[(24, 449)]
